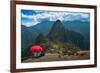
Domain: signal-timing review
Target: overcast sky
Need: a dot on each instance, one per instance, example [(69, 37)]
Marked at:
[(33, 17)]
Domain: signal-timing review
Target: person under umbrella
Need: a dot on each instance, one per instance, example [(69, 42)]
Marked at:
[(36, 51)]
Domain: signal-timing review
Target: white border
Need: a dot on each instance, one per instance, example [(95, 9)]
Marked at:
[(20, 65)]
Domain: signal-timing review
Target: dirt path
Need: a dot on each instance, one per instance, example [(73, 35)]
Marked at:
[(55, 57)]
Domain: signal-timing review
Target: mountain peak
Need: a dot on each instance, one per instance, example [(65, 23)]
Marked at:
[(57, 31), (58, 21), (58, 25)]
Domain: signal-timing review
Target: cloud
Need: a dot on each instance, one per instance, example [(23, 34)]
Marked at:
[(26, 16), (40, 16), (28, 24)]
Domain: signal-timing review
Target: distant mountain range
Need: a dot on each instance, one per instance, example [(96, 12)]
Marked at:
[(76, 32)]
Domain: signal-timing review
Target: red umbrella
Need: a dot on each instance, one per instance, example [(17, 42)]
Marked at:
[(36, 48)]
